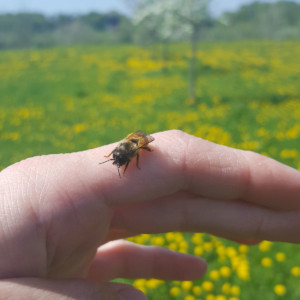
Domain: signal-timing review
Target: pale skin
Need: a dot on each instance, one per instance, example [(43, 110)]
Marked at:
[(63, 216)]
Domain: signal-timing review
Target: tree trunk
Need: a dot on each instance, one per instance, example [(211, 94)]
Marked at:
[(165, 55), (193, 60)]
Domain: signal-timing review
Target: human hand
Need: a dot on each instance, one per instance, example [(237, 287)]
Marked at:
[(56, 211)]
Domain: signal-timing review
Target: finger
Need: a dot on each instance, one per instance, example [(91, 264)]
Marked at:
[(233, 219), (127, 260), (184, 162), (36, 288), (179, 162)]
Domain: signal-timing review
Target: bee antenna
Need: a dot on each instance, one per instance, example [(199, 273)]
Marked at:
[(105, 161)]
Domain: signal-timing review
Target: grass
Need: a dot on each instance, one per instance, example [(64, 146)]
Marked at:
[(248, 96)]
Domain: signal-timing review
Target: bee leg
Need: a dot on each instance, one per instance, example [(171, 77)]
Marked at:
[(119, 172), (127, 163), (147, 148), (137, 161), (107, 156), (105, 161)]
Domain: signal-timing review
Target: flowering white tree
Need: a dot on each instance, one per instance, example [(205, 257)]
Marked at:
[(175, 18)]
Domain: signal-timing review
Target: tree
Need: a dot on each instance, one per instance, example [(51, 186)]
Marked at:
[(170, 19), (279, 20)]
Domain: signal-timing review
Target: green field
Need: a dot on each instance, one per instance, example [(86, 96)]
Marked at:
[(70, 99)]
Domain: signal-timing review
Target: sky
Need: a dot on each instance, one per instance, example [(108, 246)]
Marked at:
[(81, 7)]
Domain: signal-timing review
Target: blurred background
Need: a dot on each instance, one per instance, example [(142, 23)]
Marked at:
[(80, 74)]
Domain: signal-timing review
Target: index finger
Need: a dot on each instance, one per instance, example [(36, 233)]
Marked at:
[(184, 162)]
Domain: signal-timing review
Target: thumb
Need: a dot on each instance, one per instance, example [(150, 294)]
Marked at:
[(77, 289)]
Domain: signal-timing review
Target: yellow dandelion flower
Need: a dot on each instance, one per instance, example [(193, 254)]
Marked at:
[(243, 249), (210, 297), (235, 262), (77, 128), (15, 136), (293, 132), (186, 285), (295, 271), (208, 246), (235, 290), (226, 288), (153, 283), (280, 256), (174, 291), (243, 270), (289, 153), (157, 240), (266, 262), (183, 246), (141, 239), (225, 271), (221, 250), (220, 297), (214, 275), (189, 297), (140, 284), (178, 237), (173, 246), (197, 238), (231, 252), (10, 136), (262, 132), (197, 290), (198, 250), (170, 236), (279, 289), (265, 246), (207, 286)]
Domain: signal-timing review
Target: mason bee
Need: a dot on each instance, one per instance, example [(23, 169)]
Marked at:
[(129, 148)]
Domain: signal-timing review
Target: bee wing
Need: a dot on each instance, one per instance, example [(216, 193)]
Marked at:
[(136, 134), (142, 138), (140, 132), (150, 138), (147, 139)]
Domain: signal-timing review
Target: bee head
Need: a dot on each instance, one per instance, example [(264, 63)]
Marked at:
[(119, 158)]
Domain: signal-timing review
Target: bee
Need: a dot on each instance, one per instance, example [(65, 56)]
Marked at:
[(128, 149)]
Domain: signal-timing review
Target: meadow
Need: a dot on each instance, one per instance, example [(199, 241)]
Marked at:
[(248, 97)]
